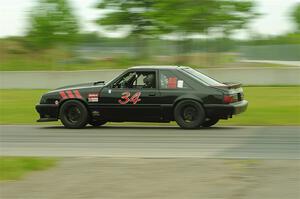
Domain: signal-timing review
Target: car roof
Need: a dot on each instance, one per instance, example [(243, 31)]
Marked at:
[(156, 67)]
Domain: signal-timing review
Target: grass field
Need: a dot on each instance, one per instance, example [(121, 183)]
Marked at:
[(16, 55), (267, 106), (18, 106), (46, 63), (57, 60), (270, 106), (14, 168)]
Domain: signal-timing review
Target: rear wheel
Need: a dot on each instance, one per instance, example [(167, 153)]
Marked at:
[(73, 114), (189, 114), (210, 122)]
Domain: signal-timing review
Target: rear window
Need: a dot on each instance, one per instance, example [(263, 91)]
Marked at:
[(201, 77)]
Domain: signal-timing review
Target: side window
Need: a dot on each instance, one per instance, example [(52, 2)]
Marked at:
[(140, 81), (137, 80), (168, 80), (125, 80), (146, 79)]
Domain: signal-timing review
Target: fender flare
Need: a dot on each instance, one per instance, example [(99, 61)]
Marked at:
[(187, 97)]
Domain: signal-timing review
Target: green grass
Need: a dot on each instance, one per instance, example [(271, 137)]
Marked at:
[(267, 106), (46, 63), (270, 106), (63, 60), (18, 106), (38, 64), (14, 168), (14, 57)]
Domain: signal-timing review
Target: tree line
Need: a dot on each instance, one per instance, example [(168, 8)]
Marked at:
[(53, 22)]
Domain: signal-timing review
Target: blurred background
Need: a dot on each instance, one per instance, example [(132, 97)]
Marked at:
[(45, 44), (98, 34)]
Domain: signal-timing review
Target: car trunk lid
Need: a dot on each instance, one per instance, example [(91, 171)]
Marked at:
[(233, 92)]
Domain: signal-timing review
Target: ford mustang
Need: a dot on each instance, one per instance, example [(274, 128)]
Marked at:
[(145, 94)]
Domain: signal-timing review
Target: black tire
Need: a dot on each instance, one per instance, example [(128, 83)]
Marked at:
[(73, 114), (210, 122), (97, 122), (189, 114)]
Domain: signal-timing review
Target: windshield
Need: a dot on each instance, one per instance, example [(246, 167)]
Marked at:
[(203, 78)]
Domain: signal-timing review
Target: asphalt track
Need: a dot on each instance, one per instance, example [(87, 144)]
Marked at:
[(259, 142)]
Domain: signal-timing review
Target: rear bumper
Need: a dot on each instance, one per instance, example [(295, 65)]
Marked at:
[(224, 111), (47, 112)]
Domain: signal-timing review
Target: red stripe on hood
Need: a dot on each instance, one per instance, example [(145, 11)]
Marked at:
[(77, 94), (63, 95), (70, 94)]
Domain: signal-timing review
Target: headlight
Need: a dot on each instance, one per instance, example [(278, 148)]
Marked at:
[(43, 100), (46, 100)]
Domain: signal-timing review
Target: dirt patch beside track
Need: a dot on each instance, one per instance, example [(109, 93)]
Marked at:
[(131, 178)]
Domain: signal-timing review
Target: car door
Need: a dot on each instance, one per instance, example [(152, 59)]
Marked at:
[(129, 99)]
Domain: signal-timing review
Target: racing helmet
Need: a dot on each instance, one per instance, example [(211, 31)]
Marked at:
[(149, 80)]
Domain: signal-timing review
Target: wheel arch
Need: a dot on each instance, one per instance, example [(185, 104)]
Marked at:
[(187, 97)]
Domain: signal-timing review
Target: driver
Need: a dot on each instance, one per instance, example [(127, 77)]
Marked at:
[(149, 81)]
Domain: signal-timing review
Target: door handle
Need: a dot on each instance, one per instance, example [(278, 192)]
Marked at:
[(152, 94)]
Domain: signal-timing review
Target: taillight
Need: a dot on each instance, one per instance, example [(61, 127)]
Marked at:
[(229, 99)]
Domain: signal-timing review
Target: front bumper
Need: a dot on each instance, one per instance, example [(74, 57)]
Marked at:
[(47, 112), (224, 111)]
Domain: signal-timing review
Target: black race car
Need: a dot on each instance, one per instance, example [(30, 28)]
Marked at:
[(145, 94)]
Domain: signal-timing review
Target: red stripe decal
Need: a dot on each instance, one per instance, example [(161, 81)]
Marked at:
[(77, 94), (70, 94), (63, 95)]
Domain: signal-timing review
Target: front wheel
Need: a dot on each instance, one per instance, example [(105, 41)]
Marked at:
[(73, 114), (189, 114)]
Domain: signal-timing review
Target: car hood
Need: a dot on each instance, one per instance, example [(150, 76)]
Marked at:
[(82, 85)]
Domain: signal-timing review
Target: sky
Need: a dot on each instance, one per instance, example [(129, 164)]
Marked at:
[(275, 17)]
